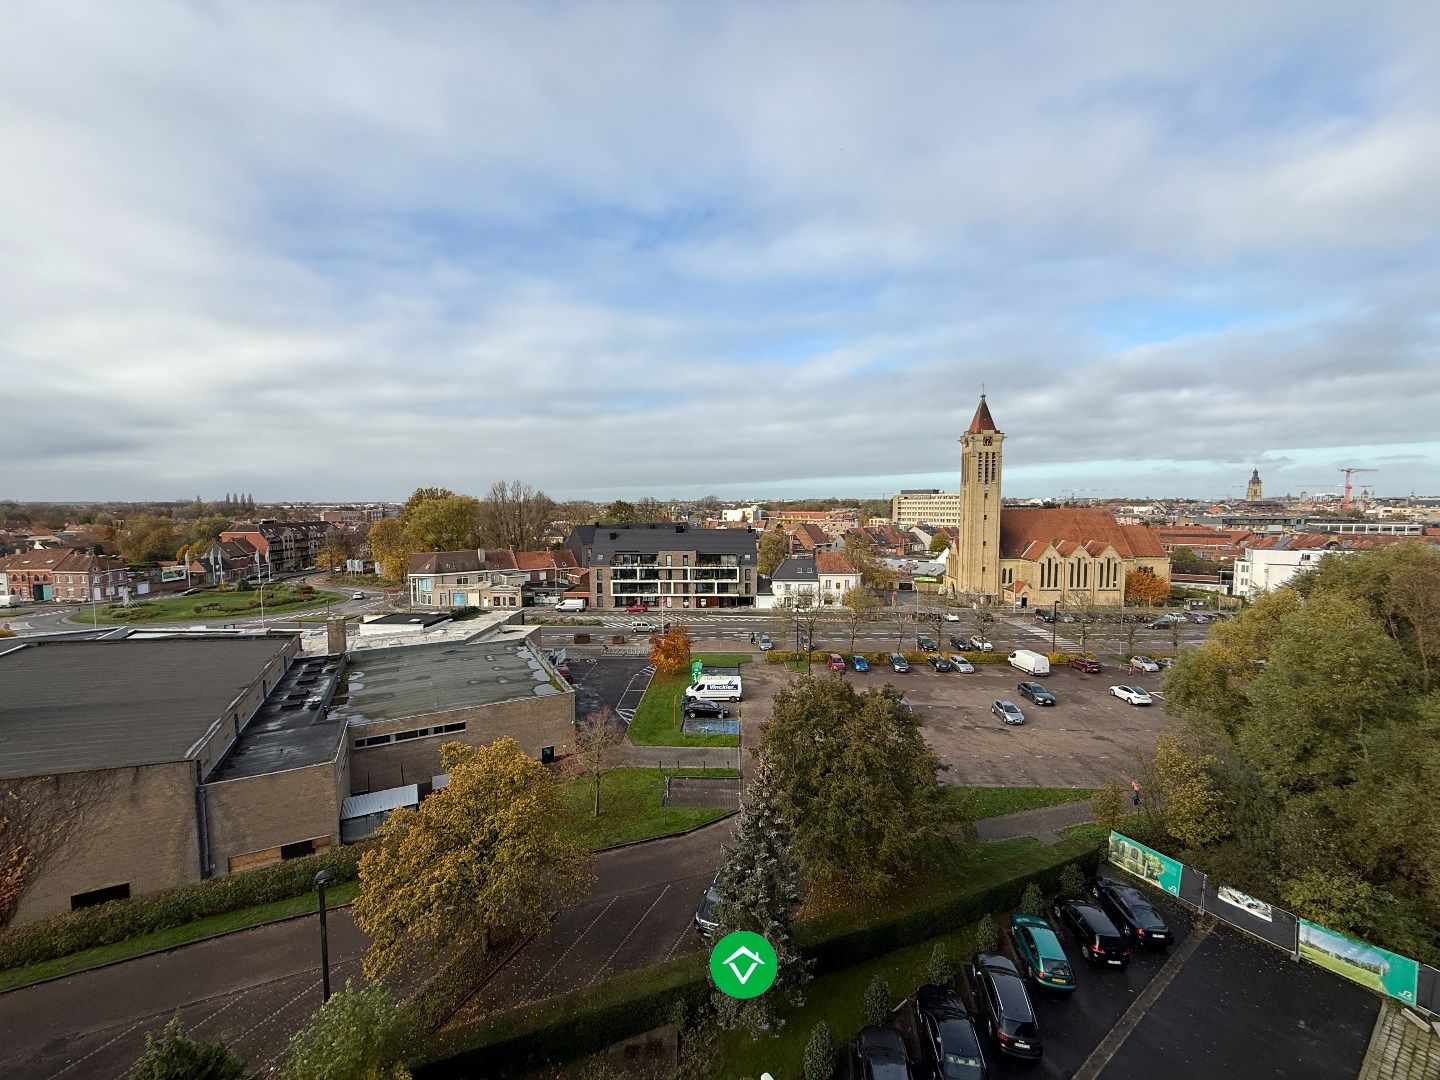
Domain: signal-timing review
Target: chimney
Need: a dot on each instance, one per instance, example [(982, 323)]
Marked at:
[(335, 634)]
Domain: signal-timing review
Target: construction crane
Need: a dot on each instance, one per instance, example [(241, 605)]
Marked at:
[(1345, 502)]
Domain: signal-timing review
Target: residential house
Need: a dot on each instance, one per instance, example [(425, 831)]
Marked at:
[(64, 574), (285, 547), (802, 580), (486, 578)]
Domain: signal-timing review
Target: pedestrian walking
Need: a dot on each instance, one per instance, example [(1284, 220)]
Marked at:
[(1135, 792), (752, 637)]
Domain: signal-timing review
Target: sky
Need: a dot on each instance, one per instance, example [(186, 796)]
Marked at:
[(325, 251)]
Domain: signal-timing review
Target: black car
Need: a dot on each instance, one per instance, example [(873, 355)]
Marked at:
[(1036, 693), (947, 1036), (1004, 1005), (881, 1051), (1131, 912), (694, 706), (960, 643), (939, 663), (705, 913), (1099, 941), (925, 644)]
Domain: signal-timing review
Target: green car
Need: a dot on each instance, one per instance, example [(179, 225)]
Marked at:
[(1040, 953)]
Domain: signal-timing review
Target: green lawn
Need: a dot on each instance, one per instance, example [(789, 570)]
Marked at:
[(211, 606), (142, 944), (657, 720), (834, 998), (630, 806), (996, 801)]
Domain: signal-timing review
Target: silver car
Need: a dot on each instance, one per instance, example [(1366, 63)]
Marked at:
[(1008, 711)]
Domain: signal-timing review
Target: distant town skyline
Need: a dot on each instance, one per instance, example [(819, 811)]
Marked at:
[(739, 248)]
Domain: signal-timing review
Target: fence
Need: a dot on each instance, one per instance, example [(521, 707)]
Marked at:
[(1380, 970)]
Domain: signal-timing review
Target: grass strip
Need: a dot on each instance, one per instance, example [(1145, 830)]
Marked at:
[(657, 720), (631, 806), (991, 802)]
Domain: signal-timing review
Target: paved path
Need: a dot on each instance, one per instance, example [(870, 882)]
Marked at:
[(1402, 1047), (679, 757), (1044, 823)]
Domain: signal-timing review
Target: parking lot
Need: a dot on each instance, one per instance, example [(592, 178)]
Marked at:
[(1087, 737), (1230, 1006)]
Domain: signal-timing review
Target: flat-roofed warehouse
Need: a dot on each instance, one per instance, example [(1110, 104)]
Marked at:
[(174, 758)]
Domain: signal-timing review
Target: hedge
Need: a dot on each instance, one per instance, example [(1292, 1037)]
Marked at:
[(783, 656), (586, 1021), (105, 924)]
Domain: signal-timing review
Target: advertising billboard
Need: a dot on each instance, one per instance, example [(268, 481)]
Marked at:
[(1144, 862), (1368, 965), (172, 573)]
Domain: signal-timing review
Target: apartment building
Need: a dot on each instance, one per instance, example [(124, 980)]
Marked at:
[(925, 506), (284, 547), (665, 565)]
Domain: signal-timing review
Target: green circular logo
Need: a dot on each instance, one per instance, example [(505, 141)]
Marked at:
[(743, 964)]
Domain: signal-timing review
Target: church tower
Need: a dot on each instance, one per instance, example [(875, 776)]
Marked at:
[(1252, 489), (975, 561)]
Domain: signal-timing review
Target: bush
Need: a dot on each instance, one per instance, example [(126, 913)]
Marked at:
[(939, 968), (105, 924), (173, 1055), (820, 1053), (875, 1005), (461, 614), (987, 934), (1032, 901), (1072, 882)]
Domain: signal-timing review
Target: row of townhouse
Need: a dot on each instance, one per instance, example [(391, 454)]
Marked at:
[(65, 574), (276, 547), (489, 578)]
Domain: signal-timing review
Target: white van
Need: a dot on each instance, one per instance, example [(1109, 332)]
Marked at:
[(570, 605), (1032, 663), (716, 688)]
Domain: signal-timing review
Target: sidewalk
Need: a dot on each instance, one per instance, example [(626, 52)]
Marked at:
[(1044, 823), (1402, 1047), (679, 757)]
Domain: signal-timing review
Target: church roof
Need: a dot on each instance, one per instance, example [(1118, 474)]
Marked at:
[(1026, 531), (983, 421)]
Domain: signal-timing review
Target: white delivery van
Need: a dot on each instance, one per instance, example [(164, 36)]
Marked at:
[(1032, 663), (716, 688), (570, 605)]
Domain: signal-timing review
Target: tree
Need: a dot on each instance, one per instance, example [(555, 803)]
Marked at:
[(479, 863), (670, 651), (984, 618), (597, 738), (939, 543), (773, 549), (987, 934), (515, 515), (357, 1035), (450, 524), (1072, 882), (853, 774), (648, 509), (862, 606), (41, 817), (391, 547), (1144, 586), (173, 1055), (1108, 805), (1032, 901), (820, 1053), (335, 550), (940, 967), (619, 512), (147, 539), (425, 494), (759, 891), (1183, 560), (1181, 792), (875, 1005)]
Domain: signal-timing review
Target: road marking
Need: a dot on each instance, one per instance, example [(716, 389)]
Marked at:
[(605, 966), (578, 938), (102, 1046)]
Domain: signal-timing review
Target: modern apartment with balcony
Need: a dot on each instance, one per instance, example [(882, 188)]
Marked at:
[(667, 566)]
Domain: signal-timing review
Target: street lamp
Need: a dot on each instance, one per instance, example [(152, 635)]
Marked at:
[(1054, 621), (322, 879)]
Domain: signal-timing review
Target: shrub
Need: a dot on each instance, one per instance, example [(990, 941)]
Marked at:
[(987, 934), (820, 1053), (939, 967), (105, 924), (1108, 805), (1032, 901), (173, 1055), (1072, 882), (875, 1005), (461, 614), (355, 1035)]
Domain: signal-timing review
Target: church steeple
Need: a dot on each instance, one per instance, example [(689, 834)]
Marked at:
[(975, 558), (983, 421), (1253, 489)]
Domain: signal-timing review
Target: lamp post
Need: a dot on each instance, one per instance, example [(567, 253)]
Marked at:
[(322, 879), (1054, 621)]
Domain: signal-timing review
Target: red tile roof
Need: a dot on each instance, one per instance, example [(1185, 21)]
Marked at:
[(982, 421), (811, 535), (1026, 531), (832, 562)]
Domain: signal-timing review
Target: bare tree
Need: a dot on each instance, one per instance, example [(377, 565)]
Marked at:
[(860, 606), (515, 515), (598, 739), (984, 618), (40, 817)]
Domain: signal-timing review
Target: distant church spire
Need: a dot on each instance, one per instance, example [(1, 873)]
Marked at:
[(1253, 488)]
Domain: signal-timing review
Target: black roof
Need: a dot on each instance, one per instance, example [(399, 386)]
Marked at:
[(654, 537), (795, 568)]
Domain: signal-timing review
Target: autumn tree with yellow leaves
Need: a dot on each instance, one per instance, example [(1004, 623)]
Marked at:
[(481, 862), (670, 651)]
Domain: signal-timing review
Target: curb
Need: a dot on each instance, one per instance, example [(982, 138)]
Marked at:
[(668, 836)]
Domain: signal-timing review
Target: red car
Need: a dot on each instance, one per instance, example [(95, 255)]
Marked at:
[(1086, 664), (836, 663), (635, 609)]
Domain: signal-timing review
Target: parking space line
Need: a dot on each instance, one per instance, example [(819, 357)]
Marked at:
[(578, 938), (102, 1046), (606, 966)]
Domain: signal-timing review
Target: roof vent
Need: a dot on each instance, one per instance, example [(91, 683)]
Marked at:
[(679, 528), (614, 536)]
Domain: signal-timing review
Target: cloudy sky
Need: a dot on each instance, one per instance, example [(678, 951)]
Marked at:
[(336, 251)]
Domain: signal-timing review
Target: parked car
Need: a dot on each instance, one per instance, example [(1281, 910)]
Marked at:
[(1166, 662), (1099, 941), (1036, 693), (1041, 953), (939, 663), (949, 1043), (1004, 1006), (765, 643), (1143, 663), (899, 664), (1065, 616), (1131, 694), (957, 642), (804, 642), (1130, 911), (1008, 711), (925, 644), (705, 913), (710, 710), (836, 663), (1087, 664), (963, 666), (859, 663), (1045, 616), (952, 616), (563, 670), (978, 642), (635, 609), (881, 1054)]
